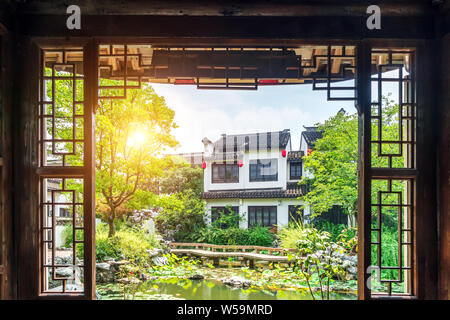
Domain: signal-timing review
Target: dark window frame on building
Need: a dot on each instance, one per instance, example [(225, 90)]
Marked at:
[(234, 170), (295, 214), (257, 168), (64, 213), (297, 166), (255, 212), (218, 211)]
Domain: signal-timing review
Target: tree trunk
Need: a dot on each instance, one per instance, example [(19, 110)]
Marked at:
[(112, 227)]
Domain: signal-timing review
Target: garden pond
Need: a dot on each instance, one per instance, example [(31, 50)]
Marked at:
[(211, 287)]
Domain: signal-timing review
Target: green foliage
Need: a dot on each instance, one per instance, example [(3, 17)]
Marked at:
[(129, 279), (290, 235), (333, 162), (335, 230), (319, 260), (180, 267), (131, 134), (389, 249), (182, 180), (227, 219), (255, 236), (127, 243), (181, 214)]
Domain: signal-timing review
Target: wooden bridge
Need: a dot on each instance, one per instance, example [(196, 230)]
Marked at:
[(248, 254)]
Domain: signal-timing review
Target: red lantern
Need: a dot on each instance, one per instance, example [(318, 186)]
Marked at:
[(204, 165), (308, 152), (241, 163), (283, 153)]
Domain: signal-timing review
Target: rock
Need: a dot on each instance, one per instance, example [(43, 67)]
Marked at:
[(154, 252), (352, 270), (64, 272), (236, 282), (197, 277), (105, 272), (159, 261), (118, 263), (103, 266)]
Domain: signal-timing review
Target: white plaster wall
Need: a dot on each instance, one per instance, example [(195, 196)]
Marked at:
[(244, 173), (304, 148)]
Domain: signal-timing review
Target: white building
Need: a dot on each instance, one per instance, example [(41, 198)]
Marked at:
[(256, 175)]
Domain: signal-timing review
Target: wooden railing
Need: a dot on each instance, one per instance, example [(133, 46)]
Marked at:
[(232, 248)]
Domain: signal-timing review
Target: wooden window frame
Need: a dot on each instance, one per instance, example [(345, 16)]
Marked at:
[(85, 172), (233, 178), (295, 164), (252, 210), (261, 178)]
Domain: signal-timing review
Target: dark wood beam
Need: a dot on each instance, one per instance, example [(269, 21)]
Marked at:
[(229, 7), (330, 27)]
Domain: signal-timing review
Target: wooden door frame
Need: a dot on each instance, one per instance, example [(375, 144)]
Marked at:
[(25, 176)]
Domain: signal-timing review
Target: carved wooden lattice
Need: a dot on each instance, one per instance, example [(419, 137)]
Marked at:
[(62, 269), (62, 143), (393, 139), (61, 108), (127, 66)]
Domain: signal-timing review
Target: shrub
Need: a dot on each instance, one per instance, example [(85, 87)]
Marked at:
[(127, 243), (256, 236), (332, 228), (290, 235), (181, 214)]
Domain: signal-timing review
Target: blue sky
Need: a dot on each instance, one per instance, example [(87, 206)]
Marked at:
[(209, 113)]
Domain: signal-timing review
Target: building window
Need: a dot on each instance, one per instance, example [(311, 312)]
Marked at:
[(264, 170), (295, 170), (263, 216), (225, 173), (64, 213), (295, 214), (220, 212)]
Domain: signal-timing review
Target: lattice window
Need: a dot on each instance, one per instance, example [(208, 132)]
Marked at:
[(64, 162), (62, 253), (61, 108), (393, 112), (391, 235), (393, 175)]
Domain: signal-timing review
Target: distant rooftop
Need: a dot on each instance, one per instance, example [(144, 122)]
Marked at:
[(311, 135), (252, 141), (194, 158)]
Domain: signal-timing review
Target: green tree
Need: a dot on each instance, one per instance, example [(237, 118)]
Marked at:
[(181, 214), (131, 135), (332, 165), (181, 179)]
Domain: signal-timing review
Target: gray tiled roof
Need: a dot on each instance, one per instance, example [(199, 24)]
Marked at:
[(194, 158), (311, 135), (252, 141), (293, 191)]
